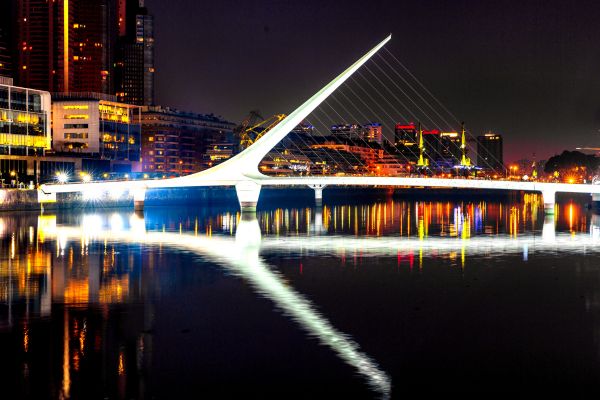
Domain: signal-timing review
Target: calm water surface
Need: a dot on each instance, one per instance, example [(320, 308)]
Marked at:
[(374, 299)]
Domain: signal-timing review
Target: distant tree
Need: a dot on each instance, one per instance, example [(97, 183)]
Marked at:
[(568, 160)]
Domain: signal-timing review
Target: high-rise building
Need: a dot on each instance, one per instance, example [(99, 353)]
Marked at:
[(45, 43), (6, 43), (406, 141), (66, 45), (135, 67), (174, 141), (84, 46), (490, 152), (95, 32)]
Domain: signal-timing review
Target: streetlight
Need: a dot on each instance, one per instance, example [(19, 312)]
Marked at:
[(16, 176), (62, 177)]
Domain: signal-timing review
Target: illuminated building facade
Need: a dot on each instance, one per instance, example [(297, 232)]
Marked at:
[(24, 121), (406, 140), (182, 142), (45, 43), (490, 152), (367, 154), (94, 124), (347, 131), (286, 162), (216, 153), (95, 31), (74, 45), (373, 132)]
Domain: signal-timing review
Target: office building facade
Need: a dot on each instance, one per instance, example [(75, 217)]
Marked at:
[(96, 125), (24, 128)]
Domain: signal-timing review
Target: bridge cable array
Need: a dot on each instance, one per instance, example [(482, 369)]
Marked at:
[(376, 96)]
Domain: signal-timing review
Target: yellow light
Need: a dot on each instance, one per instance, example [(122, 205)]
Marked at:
[(77, 116), (76, 107), (66, 44)]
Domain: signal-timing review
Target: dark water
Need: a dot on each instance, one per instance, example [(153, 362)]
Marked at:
[(369, 299)]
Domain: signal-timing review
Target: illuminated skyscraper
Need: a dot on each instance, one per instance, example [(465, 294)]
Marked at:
[(67, 45), (96, 29), (45, 41)]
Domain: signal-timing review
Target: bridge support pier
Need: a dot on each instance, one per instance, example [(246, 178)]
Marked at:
[(549, 199), (549, 228), (596, 203), (139, 196), (318, 193), (248, 193)]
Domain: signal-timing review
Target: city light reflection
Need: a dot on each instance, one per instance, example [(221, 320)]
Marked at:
[(75, 261)]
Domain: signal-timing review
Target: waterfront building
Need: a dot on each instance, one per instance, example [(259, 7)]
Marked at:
[(177, 141), (347, 131), (96, 125), (366, 154), (332, 161), (299, 138), (390, 165), (216, 153), (24, 120), (373, 132), (490, 152), (286, 162), (26, 155)]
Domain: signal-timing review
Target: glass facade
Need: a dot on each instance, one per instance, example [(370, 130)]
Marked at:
[(24, 121)]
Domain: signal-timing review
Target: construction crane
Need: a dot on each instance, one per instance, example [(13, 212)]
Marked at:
[(250, 133)]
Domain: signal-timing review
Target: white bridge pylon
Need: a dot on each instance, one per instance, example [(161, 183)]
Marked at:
[(242, 169)]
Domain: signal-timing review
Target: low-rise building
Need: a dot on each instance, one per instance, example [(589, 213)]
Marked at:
[(96, 125), (24, 130)]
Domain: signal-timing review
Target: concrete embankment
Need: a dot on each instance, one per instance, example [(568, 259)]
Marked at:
[(23, 200)]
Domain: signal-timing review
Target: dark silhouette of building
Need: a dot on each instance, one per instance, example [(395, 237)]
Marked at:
[(7, 17), (490, 152), (135, 67)]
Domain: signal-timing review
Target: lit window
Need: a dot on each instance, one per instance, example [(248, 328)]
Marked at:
[(76, 116)]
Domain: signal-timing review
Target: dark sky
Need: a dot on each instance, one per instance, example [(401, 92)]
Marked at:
[(529, 70)]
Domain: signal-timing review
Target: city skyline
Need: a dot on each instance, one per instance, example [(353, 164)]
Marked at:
[(512, 72)]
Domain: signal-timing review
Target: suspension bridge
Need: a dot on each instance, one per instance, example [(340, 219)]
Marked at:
[(242, 170)]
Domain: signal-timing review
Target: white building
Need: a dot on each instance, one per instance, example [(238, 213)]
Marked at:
[(95, 125)]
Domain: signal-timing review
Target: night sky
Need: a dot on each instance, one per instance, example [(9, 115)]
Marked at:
[(529, 70)]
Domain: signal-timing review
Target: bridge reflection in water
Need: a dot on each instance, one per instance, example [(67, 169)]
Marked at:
[(73, 259)]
